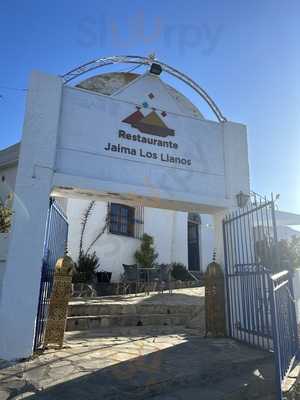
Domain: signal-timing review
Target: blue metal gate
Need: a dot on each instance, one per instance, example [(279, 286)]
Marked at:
[(285, 332), (260, 303), (55, 247)]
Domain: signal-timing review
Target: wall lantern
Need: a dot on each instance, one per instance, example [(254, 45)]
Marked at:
[(242, 199), (155, 69)]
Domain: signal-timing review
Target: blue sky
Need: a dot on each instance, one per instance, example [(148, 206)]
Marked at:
[(245, 54)]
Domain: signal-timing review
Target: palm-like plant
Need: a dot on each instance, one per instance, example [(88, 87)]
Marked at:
[(88, 262)]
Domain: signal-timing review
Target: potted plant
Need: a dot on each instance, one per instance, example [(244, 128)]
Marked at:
[(86, 268), (103, 276), (180, 272), (147, 255)]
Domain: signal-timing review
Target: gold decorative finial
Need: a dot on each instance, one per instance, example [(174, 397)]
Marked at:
[(152, 56)]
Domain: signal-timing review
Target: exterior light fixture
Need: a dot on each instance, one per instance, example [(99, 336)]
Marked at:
[(242, 199), (155, 69)]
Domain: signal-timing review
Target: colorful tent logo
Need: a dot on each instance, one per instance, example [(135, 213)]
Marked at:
[(151, 124)]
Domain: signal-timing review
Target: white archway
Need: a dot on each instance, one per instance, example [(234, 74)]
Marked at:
[(105, 61), (80, 143)]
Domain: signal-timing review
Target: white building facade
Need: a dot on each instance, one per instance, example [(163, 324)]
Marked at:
[(132, 141), (137, 148), (180, 237)]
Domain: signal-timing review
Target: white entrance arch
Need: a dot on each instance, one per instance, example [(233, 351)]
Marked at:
[(105, 61), (140, 146)]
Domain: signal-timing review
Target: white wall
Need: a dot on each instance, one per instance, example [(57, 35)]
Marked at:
[(19, 300), (217, 171), (112, 250), (169, 229), (179, 250), (207, 240)]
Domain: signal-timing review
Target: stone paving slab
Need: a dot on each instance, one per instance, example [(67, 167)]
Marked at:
[(138, 364)]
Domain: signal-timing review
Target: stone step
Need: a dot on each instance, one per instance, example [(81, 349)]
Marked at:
[(90, 322), (90, 308)]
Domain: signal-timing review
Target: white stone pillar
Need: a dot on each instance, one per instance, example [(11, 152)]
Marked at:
[(218, 237), (19, 301), (236, 162), (236, 178)]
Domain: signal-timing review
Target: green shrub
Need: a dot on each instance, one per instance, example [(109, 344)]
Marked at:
[(279, 256), (289, 253), (146, 256), (86, 268), (180, 272)]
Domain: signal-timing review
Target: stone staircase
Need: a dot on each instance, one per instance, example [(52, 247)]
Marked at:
[(123, 311)]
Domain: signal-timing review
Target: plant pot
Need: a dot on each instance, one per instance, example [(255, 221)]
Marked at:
[(103, 277), (83, 277)]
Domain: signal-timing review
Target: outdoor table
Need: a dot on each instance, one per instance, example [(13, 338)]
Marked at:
[(148, 271)]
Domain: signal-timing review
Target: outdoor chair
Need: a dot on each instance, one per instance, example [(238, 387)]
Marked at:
[(143, 280), (153, 283), (153, 279), (130, 278), (165, 281)]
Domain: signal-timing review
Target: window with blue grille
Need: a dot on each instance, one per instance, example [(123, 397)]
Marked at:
[(122, 219)]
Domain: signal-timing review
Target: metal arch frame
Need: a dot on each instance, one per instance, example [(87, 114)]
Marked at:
[(101, 62)]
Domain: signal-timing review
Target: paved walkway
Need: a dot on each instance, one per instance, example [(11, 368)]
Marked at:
[(161, 363), (140, 365)]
